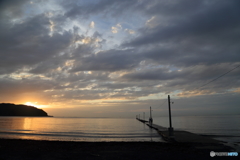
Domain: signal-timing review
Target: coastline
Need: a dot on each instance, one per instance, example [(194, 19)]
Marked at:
[(42, 149)]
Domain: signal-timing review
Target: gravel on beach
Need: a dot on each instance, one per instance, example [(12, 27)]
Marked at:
[(17, 149)]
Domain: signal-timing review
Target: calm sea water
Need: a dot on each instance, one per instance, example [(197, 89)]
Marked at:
[(225, 128), (76, 129)]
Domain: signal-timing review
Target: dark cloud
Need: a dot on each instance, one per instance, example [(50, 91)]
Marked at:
[(111, 60), (191, 54), (154, 74), (13, 87), (186, 79), (12, 8), (29, 43), (117, 85), (104, 7), (169, 9), (210, 21)]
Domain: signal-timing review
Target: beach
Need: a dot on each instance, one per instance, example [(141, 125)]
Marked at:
[(51, 150)]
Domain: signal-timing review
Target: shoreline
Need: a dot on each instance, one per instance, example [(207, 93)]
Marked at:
[(43, 149)]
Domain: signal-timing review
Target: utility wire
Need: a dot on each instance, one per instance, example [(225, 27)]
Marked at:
[(208, 82), (219, 77), (162, 103)]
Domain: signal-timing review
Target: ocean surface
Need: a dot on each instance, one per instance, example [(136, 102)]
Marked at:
[(77, 129), (224, 128)]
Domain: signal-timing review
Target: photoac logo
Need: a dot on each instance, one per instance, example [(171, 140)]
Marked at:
[(212, 153)]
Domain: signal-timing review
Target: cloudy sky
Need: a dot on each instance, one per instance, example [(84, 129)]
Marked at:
[(115, 58)]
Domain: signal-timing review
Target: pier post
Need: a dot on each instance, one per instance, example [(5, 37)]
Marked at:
[(150, 119), (170, 129), (143, 115)]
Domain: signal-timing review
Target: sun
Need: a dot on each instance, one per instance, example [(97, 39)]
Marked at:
[(31, 104), (34, 104)]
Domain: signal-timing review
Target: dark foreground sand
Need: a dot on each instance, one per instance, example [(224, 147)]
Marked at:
[(14, 149)]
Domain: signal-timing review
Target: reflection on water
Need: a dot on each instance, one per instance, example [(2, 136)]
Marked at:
[(76, 129), (27, 123)]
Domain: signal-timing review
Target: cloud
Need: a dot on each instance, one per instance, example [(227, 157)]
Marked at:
[(12, 8), (104, 7), (154, 74), (110, 60), (51, 26), (129, 31), (116, 28), (212, 22), (25, 88), (152, 22), (29, 43), (92, 24)]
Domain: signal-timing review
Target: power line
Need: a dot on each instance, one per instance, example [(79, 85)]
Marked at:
[(219, 77), (162, 103), (208, 82)]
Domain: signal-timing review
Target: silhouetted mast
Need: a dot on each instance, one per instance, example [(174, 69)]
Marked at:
[(150, 112), (170, 129), (150, 119)]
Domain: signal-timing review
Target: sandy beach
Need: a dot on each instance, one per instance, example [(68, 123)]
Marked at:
[(50, 150)]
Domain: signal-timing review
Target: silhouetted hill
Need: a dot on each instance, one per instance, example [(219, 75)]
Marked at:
[(8, 109)]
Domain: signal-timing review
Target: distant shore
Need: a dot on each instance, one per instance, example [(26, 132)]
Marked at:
[(10, 109), (26, 116), (34, 149)]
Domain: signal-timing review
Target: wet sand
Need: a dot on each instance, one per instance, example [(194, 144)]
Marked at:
[(51, 150)]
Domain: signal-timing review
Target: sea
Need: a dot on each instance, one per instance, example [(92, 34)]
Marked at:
[(225, 128)]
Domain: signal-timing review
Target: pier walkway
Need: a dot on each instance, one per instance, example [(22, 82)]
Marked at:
[(141, 120), (181, 136), (188, 138)]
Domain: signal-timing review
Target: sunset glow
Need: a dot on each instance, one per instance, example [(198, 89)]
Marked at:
[(35, 104)]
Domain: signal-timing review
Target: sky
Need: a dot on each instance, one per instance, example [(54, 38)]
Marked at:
[(116, 58)]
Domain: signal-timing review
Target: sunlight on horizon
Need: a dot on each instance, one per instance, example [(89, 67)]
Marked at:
[(35, 104)]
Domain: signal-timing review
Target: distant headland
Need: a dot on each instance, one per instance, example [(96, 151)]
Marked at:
[(9, 109)]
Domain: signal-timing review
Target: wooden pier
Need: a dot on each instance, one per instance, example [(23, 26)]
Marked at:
[(181, 136), (171, 135), (141, 120)]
